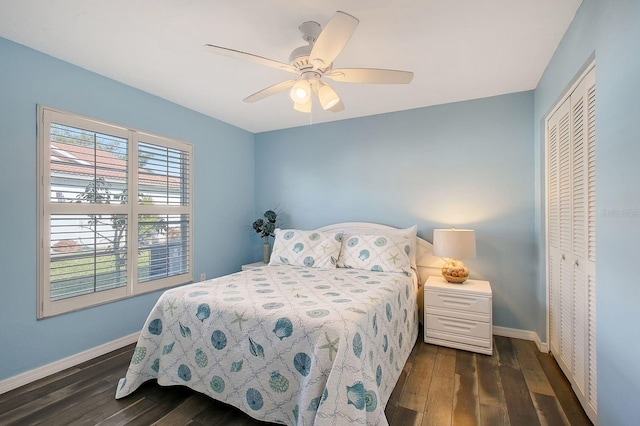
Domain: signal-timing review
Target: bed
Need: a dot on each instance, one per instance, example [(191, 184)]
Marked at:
[(299, 341)]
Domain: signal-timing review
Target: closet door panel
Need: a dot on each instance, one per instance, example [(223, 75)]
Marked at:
[(553, 232), (571, 239), (579, 231), (584, 304), (565, 214), (590, 252)]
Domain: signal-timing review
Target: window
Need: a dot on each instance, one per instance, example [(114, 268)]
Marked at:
[(98, 242)]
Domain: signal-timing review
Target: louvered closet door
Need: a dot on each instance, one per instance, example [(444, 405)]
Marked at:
[(590, 176), (571, 229), (557, 130), (565, 214), (583, 231)]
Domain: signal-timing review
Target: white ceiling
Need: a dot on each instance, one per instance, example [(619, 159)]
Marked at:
[(458, 49)]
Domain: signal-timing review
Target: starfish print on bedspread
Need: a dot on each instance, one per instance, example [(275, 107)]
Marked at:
[(171, 306), (239, 319), (331, 345)]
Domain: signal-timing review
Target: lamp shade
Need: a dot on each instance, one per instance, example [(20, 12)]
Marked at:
[(328, 97), (300, 92), (454, 243), (303, 107)]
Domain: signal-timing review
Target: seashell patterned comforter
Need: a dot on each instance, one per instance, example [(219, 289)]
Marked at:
[(284, 344)]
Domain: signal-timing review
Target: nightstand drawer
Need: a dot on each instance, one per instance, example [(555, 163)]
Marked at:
[(458, 301), (469, 343), (458, 326), (463, 315)]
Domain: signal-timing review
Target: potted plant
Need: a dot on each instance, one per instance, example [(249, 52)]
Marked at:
[(266, 227)]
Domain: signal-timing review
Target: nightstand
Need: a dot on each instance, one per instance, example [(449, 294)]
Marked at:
[(458, 315), (254, 265)]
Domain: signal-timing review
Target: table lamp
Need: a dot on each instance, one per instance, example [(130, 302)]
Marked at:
[(454, 244)]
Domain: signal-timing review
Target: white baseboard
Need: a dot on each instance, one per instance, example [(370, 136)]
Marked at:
[(522, 334), (55, 367)]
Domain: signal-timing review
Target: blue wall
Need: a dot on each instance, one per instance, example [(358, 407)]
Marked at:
[(477, 164), (610, 29), (224, 203), (467, 164)]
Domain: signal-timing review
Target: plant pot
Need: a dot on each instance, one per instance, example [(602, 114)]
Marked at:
[(266, 252)]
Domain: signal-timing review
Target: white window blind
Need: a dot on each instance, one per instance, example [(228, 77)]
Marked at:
[(83, 257), (164, 174), (164, 181), (166, 255), (87, 255)]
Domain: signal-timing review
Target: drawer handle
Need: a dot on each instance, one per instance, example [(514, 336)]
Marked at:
[(458, 301), (457, 325)]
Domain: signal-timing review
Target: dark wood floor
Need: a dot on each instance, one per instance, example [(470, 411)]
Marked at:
[(439, 386)]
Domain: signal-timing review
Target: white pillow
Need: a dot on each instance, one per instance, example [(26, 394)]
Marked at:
[(412, 234), (376, 252), (315, 249)]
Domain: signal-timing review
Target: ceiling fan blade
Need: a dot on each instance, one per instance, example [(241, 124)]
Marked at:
[(332, 39), (271, 90), (370, 75), (250, 58)]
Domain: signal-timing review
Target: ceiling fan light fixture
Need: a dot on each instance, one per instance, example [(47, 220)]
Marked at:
[(301, 92), (315, 61), (327, 96), (306, 107)]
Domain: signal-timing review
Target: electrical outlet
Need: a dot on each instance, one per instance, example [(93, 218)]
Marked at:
[(203, 276)]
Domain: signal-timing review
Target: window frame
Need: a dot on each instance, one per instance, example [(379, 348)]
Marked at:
[(48, 308)]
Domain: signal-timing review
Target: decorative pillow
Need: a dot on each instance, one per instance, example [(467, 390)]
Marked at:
[(306, 248), (412, 234), (376, 252)]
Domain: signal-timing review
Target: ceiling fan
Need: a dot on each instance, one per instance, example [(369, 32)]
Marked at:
[(314, 62)]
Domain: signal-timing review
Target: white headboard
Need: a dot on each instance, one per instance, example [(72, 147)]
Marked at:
[(427, 263)]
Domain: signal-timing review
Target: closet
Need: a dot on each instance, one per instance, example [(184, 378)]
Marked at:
[(571, 235)]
